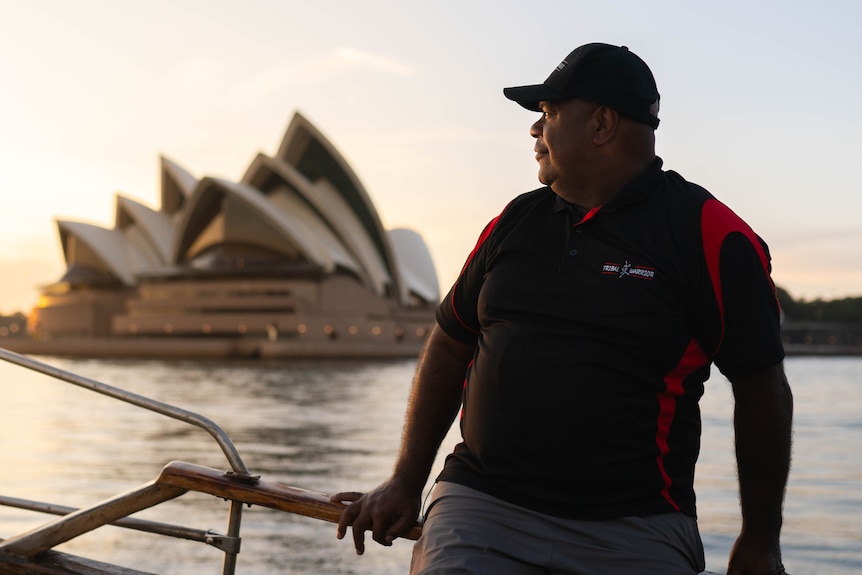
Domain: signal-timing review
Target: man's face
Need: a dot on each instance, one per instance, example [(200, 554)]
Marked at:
[(563, 140)]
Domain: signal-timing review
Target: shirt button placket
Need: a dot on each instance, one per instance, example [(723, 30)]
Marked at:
[(578, 231)]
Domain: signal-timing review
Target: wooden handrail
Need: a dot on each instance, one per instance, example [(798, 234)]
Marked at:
[(266, 494)]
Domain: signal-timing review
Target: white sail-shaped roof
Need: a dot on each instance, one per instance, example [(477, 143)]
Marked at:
[(177, 185), (110, 251), (154, 227), (307, 149), (274, 177), (417, 266), (246, 215)]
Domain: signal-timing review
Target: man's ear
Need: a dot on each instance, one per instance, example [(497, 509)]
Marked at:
[(607, 120)]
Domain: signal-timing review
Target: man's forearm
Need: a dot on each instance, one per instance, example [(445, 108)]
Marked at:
[(762, 422), (434, 402)]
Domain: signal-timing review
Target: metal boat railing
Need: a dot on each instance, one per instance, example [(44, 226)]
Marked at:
[(237, 486), (118, 508), (168, 410)]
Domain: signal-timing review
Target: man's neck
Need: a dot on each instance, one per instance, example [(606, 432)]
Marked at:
[(604, 185)]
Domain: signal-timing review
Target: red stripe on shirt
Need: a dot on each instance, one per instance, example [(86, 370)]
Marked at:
[(589, 215), (718, 222), (482, 238), (693, 359)]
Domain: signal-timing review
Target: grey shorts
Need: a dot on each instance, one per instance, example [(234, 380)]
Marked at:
[(468, 532)]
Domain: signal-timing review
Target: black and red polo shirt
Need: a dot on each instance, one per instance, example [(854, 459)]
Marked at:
[(594, 335)]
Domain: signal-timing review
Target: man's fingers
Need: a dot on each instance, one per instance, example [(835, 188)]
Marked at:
[(399, 528), (359, 537), (348, 516), (352, 516), (387, 531)]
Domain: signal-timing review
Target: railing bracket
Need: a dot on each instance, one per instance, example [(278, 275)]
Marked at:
[(243, 477), (223, 542)]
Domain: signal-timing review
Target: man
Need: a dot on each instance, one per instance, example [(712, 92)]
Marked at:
[(576, 341)]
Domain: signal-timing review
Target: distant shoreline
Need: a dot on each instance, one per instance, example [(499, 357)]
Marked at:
[(209, 348), (822, 338), (225, 348), (830, 350)]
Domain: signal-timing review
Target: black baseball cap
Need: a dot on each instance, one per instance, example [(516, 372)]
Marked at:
[(600, 73)]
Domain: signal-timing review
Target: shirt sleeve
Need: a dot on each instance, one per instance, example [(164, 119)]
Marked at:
[(745, 323), (458, 313)]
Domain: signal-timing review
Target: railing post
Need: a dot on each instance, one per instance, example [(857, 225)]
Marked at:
[(234, 521)]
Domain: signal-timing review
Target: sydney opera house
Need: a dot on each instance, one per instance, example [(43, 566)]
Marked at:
[(290, 261)]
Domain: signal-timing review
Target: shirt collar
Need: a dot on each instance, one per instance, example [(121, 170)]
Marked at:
[(636, 189)]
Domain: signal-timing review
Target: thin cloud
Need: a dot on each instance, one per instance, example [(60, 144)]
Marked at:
[(367, 61), (321, 69)]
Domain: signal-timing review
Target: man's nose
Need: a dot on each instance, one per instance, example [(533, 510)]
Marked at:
[(536, 128)]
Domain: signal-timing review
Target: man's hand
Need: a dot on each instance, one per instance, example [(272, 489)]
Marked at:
[(753, 556), (391, 510), (388, 511)]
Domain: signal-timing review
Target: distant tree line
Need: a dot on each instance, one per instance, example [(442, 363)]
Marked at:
[(845, 310)]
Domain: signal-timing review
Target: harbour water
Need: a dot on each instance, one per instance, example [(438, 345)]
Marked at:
[(333, 426)]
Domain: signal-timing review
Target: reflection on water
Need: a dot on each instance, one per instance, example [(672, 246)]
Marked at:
[(332, 426), (822, 527)]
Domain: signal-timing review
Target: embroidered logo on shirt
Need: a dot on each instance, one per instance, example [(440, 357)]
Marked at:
[(628, 270)]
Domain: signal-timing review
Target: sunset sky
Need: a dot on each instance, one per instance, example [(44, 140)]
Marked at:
[(760, 104)]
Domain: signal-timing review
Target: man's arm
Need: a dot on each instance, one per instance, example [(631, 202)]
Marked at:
[(393, 507), (762, 423)]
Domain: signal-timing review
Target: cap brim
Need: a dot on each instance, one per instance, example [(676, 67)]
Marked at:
[(530, 96)]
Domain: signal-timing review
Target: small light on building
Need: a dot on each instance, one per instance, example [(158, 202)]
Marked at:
[(301, 328), (169, 328), (206, 328), (376, 330), (271, 331), (420, 331), (352, 330), (242, 328)]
